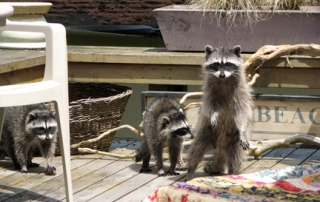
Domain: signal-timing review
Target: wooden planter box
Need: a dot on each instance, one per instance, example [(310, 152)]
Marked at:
[(275, 116), (184, 28)]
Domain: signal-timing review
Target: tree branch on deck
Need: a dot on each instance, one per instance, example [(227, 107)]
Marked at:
[(269, 52), (105, 134), (93, 151), (259, 147)]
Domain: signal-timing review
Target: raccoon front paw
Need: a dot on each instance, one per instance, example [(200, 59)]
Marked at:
[(161, 173), (24, 169), (171, 172), (181, 167), (244, 144), (145, 170), (51, 170)]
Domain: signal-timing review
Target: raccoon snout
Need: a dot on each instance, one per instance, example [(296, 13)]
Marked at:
[(222, 75)]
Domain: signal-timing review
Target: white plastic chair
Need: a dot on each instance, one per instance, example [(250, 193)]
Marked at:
[(53, 87)]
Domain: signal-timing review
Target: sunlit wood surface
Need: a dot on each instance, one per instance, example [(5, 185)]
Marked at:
[(102, 178)]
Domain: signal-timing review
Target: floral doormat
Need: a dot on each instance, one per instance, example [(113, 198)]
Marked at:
[(298, 183)]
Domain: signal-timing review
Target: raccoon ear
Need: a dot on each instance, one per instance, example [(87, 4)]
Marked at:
[(208, 49), (237, 50), (181, 110), (166, 120), (31, 117)]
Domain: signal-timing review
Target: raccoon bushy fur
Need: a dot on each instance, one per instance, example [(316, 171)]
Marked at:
[(26, 128), (225, 118), (164, 124)]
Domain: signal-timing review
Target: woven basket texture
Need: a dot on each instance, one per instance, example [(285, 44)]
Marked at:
[(94, 109)]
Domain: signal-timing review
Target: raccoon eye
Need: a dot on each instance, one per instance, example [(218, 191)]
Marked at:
[(214, 66), (39, 130), (228, 64), (181, 131), (52, 129)]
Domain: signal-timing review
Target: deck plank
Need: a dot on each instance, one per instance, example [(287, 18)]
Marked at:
[(295, 158), (127, 143), (126, 186), (313, 159), (110, 176), (78, 173), (269, 160), (21, 180), (142, 192), (104, 178), (51, 183)]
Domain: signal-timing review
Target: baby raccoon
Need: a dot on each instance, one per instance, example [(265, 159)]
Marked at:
[(164, 124), (226, 114), (26, 128)]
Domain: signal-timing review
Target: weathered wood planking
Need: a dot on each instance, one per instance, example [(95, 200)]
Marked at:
[(313, 159), (151, 66), (274, 77), (41, 185), (58, 192), (141, 192), (296, 158), (103, 178), (27, 75), (11, 60), (135, 73), (275, 119), (114, 175), (269, 160)]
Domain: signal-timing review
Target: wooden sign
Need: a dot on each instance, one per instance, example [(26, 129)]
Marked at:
[(275, 116)]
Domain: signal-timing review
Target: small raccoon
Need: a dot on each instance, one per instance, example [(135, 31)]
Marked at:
[(26, 128), (164, 124), (226, 114)]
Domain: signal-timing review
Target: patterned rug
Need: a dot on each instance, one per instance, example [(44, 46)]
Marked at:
[(298, 183)]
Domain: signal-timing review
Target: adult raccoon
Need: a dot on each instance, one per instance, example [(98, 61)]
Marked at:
[(26, 128), (164, 124), (225, 118)]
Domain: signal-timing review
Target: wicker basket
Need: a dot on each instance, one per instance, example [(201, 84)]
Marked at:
[(94, 109)]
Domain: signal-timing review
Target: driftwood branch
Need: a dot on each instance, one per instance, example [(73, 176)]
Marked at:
[(192, 105), (93, 151), (259, 147), (105, 134), (183, 99), (269, 52), (254, 78)]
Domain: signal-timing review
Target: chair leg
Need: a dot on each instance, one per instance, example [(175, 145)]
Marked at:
[(62, 114), (2, 112)]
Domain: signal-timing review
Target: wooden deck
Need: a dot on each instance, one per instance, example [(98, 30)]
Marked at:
[(102, 178)]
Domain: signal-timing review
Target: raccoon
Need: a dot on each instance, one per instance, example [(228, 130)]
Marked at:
[(164, 124), (225, 118), (26, 128)]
